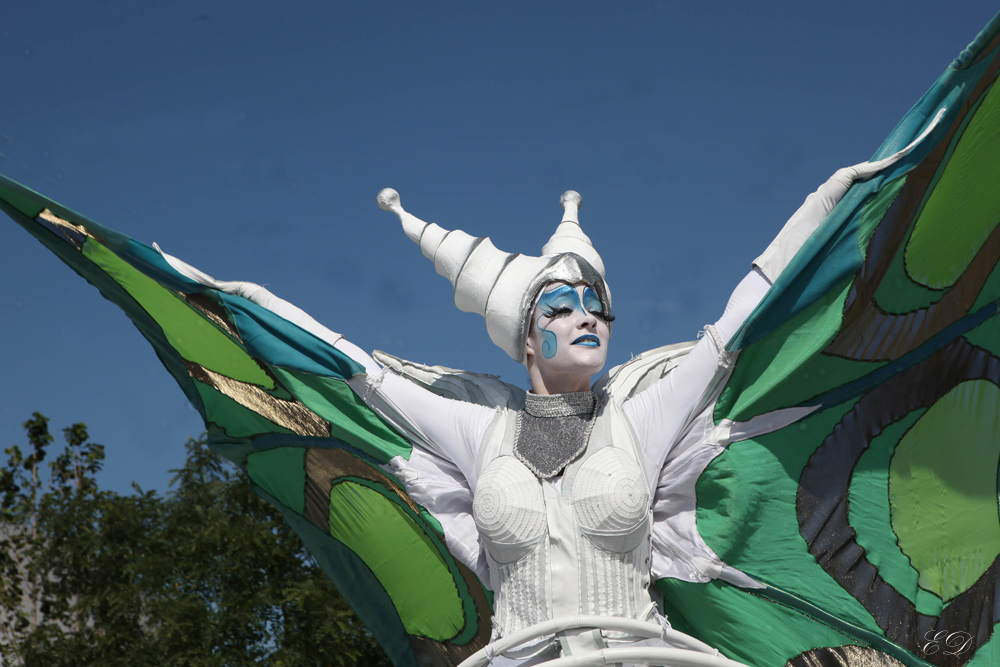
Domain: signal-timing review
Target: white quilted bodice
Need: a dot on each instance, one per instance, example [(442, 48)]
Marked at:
[(576, 547)]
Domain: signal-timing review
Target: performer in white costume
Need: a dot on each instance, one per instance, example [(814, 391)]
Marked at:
[(568, 500), (564, 488)]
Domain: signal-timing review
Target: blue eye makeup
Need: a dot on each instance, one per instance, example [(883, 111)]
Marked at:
[(591, 303), (565, 299), (561, 298)]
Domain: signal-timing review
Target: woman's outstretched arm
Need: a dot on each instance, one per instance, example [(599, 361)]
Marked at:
[(448, 428), (662, 414)]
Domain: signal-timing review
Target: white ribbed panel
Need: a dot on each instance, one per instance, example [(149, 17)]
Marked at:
[(520, 595), (607, 581)]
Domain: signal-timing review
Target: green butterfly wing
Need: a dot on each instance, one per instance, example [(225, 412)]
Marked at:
[(873, 521), (275, 402)]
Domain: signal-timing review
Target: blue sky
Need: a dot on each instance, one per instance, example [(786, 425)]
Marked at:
[(250, 139)]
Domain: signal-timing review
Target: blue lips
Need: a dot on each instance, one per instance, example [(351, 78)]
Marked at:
[(588, 340)]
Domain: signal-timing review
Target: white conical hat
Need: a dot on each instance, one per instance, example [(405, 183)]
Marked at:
[(500, 286)]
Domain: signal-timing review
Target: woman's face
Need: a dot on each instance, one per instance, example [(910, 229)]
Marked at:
[(568, 335)]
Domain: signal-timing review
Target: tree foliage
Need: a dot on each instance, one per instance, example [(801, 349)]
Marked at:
[(207, 576)]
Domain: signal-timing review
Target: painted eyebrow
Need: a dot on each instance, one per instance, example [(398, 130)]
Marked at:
[(553, 297), (562, 289)]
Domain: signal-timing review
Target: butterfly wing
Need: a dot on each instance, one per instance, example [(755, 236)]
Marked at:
[(275, 401), (872, 520)]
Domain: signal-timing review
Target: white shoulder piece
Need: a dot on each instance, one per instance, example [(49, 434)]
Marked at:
[(639, 373), (486, 390)]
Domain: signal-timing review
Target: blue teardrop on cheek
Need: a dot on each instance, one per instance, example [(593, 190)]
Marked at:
[(549, 344)]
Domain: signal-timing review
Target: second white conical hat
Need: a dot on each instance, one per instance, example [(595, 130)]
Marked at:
[(501, 286)]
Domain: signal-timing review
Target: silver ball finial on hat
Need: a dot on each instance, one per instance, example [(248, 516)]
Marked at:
[(388, 200), (571, 198)]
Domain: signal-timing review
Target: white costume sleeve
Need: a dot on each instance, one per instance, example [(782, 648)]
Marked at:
[(449, 428), (664, 413)]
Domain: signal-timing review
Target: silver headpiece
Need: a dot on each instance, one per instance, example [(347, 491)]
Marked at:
[(500, 286)]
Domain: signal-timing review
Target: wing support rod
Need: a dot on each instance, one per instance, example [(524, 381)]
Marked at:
[(690, 652)]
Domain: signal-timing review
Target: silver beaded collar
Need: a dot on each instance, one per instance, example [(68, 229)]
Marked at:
[(553, 430), (560, 405)]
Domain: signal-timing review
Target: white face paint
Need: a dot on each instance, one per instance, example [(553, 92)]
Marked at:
[(568, 337)]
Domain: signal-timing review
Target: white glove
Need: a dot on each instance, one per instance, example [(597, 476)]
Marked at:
[(865, 170)]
